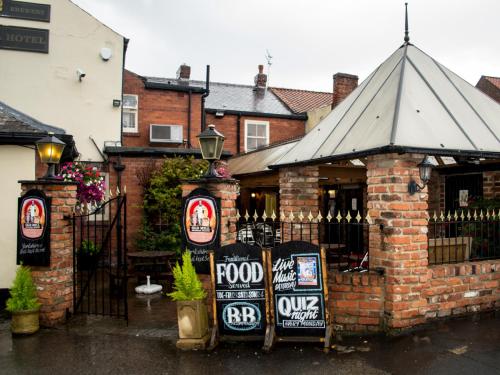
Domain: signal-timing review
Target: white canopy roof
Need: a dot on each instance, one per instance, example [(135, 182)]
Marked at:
[(410, 103)]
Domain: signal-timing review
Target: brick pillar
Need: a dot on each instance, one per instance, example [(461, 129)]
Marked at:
[(299, 192), (402, 249), (54, 284), (227, 190)]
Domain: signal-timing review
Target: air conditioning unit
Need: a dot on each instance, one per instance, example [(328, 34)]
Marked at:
[(165, 133)]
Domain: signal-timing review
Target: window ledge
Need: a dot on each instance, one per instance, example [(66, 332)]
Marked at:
[(131, 134)]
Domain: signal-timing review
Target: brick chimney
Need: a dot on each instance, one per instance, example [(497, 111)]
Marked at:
[(261, 78), (184, 72), (343, 85)]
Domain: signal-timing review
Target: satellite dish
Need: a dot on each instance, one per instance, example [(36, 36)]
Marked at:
[(106, 53)]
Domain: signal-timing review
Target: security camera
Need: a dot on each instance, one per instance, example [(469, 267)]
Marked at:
[(80, 74)]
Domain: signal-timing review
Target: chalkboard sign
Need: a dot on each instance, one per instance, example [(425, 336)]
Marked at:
[(298, 290), (33, 229), (201, 227), (240, 298)]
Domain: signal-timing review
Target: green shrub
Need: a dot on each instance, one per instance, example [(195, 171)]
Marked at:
[(88, 247), (187, 285), (23, 292)]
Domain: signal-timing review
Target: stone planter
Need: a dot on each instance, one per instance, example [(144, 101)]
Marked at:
[(25, 322), (193, 325)]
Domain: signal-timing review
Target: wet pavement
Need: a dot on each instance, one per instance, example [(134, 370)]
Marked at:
[(95, 345)]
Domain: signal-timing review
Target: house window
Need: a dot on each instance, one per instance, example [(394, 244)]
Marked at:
[(165, 133), (256, 134), (130, 107)]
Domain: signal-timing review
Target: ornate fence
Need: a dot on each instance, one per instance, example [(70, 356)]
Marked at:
[(345, 237), (463, 236)]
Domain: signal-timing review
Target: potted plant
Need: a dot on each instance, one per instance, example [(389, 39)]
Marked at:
[(23, 303), (88, 254), (191, 309)]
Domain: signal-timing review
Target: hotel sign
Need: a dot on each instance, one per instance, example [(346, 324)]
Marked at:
[(24, 39), (24, 10)]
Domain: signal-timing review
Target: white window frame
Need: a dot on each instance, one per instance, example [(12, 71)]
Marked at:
[(255, 122), (178, 141), (135, 111)]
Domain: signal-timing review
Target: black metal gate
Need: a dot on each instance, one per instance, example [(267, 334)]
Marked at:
[(100, 260)]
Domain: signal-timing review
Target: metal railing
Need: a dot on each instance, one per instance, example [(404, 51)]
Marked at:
[(464, 236), (345, 237)]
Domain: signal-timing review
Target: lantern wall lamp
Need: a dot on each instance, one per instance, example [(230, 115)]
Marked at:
[(211, 143), (50, 149), (425, 169)]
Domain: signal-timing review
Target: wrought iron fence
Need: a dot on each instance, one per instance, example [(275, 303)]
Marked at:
[(464, 236), (100, 260), (344, 237)]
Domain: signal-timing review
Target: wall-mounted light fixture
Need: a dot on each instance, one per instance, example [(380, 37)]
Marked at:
[(252, 195), (116, 103), (211, 143), (332, 193), (424, 169), (50, 149)]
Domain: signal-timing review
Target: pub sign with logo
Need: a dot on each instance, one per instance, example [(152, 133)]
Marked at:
[(201, 227), (33, 229)]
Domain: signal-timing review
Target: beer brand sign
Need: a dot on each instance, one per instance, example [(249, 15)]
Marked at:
[(201, 227), (33, 234), (240, 290)]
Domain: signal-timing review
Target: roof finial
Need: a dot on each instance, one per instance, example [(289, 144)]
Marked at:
[(407, 37)]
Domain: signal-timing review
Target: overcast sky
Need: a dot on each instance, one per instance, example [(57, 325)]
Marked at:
[(309, 40)]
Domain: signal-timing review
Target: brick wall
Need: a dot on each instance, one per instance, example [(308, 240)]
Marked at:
[(489, 89), (55, 283), (279, 129), (491, 184), (299, 192), (356, 302), (343, 85), (456, 289), (161, 107)]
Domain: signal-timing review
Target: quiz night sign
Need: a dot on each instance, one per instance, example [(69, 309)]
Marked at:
[(33, 229), (297, 282), (201, 227), (240, 290)]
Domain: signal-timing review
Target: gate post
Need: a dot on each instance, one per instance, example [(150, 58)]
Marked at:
[(227, 190), (402, 250), (54, 283)]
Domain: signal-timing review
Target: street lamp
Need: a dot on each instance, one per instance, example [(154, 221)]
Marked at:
[(424, 169), (50, 149), (211, 143)]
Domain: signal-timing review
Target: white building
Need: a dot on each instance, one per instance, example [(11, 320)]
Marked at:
[(60, 66)]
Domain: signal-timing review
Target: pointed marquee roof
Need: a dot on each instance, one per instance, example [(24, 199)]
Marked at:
[(410, 103)]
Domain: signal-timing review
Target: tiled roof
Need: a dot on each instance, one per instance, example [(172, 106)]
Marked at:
[(300, 101), (232, 97), (494, 80), (14, 121)]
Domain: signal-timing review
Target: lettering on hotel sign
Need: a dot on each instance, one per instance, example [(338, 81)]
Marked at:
[(24, 39), (25, 10)]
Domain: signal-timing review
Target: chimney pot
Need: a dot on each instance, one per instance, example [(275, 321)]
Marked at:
[(261, 78), (343, 85), (184, 72)]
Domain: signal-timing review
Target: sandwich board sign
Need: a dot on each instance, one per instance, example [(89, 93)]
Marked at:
[(239, 286), (299, 293)]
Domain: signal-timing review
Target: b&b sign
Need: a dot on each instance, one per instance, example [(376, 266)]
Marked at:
[(240, 290)]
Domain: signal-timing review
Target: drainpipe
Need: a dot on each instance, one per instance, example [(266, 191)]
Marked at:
[(238, 127), (203, 96), (189, 120)]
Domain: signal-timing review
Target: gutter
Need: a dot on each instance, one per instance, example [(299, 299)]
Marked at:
[(257, 114), (166, 86), (389, 150), (156, 152)]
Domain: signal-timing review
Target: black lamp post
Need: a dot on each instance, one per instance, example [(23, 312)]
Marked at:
[(50, 149), (211, 143), (425, 169)]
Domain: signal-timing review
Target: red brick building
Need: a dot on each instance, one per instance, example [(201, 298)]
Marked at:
[(163, 116)]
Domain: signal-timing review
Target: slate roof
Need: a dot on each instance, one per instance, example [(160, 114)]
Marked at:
[(13, 121), (300, 101), (410, 103), (229, 97)]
